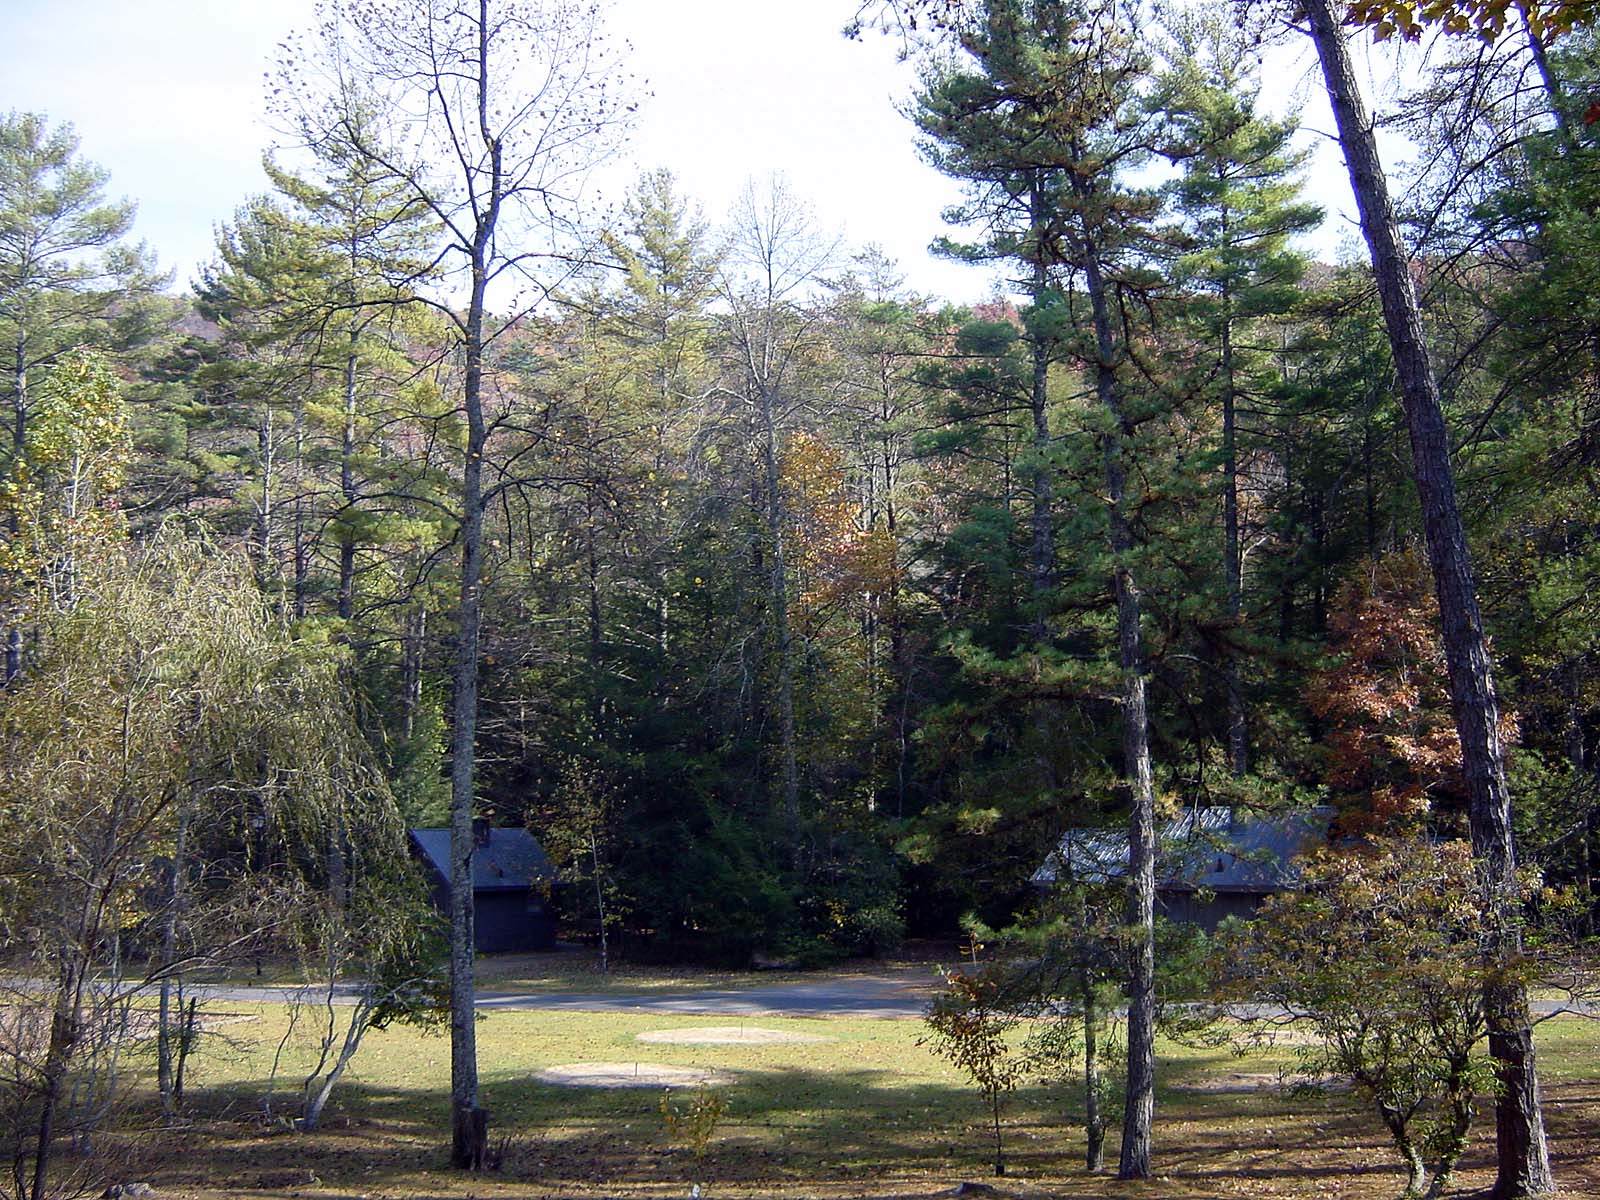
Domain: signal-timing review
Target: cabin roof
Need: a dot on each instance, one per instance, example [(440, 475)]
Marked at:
[(503, 860), (1219, 848)]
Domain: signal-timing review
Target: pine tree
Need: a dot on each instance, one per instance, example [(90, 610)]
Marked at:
[(68, 276), (1238, 202), (1044, 117)]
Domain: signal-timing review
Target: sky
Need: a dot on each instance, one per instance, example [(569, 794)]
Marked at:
[(168, 96)]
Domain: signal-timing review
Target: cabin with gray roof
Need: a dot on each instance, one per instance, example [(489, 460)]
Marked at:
[(1212, 862), (512, 879)]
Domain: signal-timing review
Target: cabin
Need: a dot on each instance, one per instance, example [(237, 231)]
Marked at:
[(512, 880), (1212, 862)]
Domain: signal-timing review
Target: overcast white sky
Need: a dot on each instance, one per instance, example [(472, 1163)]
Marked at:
[(167, 95)]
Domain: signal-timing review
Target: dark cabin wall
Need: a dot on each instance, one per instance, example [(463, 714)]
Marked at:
[(1186, 908), (511, 922), (507, 921)]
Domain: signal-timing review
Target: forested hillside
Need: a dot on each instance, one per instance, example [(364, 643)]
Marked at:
[(795, 612)]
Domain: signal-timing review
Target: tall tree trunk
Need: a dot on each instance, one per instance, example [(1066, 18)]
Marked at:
[(347, 489), (1233, 555), (596, 625), (1139, 1104), (166, 1080), (411, 671), (19, 397), (779, 587), (599, 898), (66, 1028), (899, 662), (1094, 1124), (266, 451), (19, 433), (1044, 552), (302, 548), (469, 1121), (1523, 1164)]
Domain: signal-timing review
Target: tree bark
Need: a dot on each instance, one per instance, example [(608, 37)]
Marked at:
[(465, 1152), (302, 548), (1094, 1124), (19, 445), (347, 488), (266, 449), (1039, 396), (411, 672), (166, 1079), (469, 1122), (1238, 731), (1523, 1165), (596, 620), (66, 1027), (1139, 1104), (19, 398)]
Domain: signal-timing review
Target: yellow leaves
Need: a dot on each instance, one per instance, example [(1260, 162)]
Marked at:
[(836, 560), (1484, 19), (59, 497)]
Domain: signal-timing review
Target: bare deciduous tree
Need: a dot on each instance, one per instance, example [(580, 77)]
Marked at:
[(493, 112)]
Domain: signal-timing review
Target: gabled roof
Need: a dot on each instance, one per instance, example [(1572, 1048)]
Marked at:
[(510, 859), (1219, 848)]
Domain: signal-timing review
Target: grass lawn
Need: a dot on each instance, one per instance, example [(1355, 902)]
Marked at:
[(868, 1113)]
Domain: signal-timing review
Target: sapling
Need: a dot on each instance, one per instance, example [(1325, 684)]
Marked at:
[(693, 1124), (969, 1024)]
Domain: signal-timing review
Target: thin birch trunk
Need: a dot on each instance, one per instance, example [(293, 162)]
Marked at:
[(302, 554), (347, 488)]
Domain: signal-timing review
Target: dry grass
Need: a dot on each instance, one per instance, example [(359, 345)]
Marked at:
[(869, 1114)]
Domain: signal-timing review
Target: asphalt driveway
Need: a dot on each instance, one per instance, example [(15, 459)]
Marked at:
[(891, 994)]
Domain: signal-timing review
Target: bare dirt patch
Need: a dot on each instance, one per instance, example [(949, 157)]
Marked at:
[(630, 1075), (730, 1035)]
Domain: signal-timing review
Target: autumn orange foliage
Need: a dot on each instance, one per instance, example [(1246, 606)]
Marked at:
[(1392, 753)]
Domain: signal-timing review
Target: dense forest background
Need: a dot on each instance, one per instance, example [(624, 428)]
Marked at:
[(798, 622)]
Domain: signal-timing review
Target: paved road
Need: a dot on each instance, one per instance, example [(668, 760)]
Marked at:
[(893, 994)]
